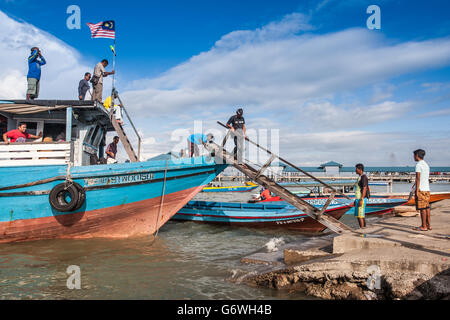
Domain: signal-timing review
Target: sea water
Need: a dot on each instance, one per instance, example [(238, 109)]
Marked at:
[(186, 261)]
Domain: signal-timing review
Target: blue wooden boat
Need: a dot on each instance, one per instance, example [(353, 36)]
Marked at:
[(58, 190), (375, 205), (255, 215), (247, 188)]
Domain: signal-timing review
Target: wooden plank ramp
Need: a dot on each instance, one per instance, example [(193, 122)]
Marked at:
[(124, 139), (257, 176)]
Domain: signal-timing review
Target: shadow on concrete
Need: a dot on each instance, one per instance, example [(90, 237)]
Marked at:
[(437, 288)]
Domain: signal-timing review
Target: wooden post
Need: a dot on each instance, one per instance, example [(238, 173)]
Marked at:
[(69, 124)]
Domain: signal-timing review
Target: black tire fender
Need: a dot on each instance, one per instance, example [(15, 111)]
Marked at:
[(58, 196), (82, 197)]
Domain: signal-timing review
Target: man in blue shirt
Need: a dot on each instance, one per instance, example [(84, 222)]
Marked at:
[(35, 61), (198, 139)]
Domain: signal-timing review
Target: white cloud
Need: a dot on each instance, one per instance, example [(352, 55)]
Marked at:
[(334, 117), (267, 70), (60, 76), (373, 149), (290, 78)]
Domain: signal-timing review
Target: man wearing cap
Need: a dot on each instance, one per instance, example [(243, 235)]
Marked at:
[(35, 62), (239, 132)]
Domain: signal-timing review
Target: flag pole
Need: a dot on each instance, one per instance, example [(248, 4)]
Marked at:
[(114, 64)]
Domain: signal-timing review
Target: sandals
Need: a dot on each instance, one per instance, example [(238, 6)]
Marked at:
[(420, 229)]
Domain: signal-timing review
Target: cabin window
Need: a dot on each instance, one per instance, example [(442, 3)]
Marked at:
[(87, 139), (98, 137), (94, 135), (55, 131)]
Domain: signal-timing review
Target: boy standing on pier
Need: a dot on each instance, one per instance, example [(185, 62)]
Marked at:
[(422, 192), (362, 194)]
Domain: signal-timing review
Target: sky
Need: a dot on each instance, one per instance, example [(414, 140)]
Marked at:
[(308, 72)]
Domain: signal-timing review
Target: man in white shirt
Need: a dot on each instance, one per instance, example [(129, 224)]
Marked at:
[(423, 190), (97, 80)]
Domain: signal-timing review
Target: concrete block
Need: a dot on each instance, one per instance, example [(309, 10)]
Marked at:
[(347, 243), (293, 256)]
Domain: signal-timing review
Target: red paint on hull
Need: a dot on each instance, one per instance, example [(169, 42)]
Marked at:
[(134, 219)]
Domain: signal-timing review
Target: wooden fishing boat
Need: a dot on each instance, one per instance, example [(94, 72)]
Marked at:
[(256, 215), (58, 190), (249, 186), (375, 205)]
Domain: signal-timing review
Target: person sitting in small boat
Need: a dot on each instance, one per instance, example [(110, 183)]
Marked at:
[(265, 194), (117, 111), (198, 139), (19, 135), (111, 151)]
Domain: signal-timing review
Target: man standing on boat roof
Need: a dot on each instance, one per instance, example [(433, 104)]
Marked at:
[(97, 79), (198, 139), (239, 132), (35, 61), (84, 86), (362, 195)]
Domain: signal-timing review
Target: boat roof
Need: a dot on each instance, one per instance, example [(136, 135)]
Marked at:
[(89, 111), (37, 106)]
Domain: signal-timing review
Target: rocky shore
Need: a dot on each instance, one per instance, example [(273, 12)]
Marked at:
[(388, 261)]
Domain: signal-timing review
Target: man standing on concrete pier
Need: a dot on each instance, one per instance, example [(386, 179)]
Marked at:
[(422, 192), (362, 195)]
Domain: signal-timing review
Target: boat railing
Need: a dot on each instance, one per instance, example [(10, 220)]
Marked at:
[(35, 154), (133, 126)]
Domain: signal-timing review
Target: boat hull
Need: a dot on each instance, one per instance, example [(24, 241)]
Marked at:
[(121, 201), (375, 205), (255, 216)]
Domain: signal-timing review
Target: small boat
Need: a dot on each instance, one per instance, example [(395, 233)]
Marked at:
[(256, 215), (249, 186), (375, 205)]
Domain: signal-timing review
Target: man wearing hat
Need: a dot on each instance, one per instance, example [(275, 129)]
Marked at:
[(237, 126)]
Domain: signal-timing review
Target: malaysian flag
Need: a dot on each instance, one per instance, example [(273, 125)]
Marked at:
[(106, 29)]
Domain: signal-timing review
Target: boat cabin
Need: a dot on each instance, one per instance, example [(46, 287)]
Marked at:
[(73, 131)]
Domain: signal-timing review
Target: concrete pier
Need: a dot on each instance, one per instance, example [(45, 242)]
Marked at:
[(388, 260)]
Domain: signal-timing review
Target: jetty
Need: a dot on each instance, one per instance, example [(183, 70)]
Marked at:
[(388, 260)]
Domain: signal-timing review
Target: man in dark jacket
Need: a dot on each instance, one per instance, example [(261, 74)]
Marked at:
[(35, 61), (237, 126), (84, 86)]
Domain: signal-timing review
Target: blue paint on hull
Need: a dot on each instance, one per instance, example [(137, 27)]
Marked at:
[(125, 184), (375, 205), (222, 212)]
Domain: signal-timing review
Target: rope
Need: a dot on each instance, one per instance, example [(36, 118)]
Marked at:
[(161, 204)]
